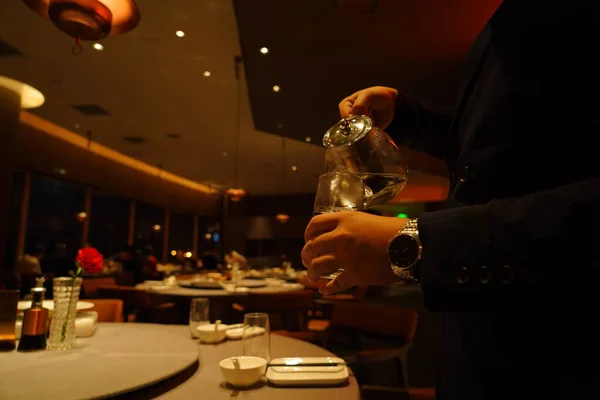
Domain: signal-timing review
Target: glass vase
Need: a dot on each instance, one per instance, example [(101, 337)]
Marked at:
[(62, 328)]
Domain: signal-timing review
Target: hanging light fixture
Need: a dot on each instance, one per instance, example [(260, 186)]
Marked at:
[(236, 193), (282, 217), (88, 19)]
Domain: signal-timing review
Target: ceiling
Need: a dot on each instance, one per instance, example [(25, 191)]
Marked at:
[(151, 83)]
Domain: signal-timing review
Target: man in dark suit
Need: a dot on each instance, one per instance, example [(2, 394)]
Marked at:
[(513, 260)]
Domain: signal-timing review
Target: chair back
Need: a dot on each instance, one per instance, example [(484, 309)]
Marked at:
[(90, 285), (134, 300), (286, 310), (376, 318), (109, 310)]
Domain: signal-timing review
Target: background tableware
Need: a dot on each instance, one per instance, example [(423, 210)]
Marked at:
[(199, 314), (256, 336), (211, 333), (49, 304), (243, 371)]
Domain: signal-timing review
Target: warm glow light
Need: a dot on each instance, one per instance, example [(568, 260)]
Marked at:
[(81, 216), (77, 140), (188, 254), (30, 96), (264, 50), (206, 73), (276, 88), (98, 46), (180, 33), (60, 171), (156, 228), (294, 168), (207, 236), (308, 139), (282, 218), (173, 253), (235, 194), (224, 154)]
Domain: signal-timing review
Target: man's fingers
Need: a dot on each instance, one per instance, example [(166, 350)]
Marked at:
[(342, 282), (362, 104), (323, 265)]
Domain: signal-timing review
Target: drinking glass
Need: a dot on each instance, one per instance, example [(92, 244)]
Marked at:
[(339, 191), (256, 336), (357, 146), (199, 308)]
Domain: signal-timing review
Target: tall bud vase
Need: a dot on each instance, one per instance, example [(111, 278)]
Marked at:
[(62, 328)]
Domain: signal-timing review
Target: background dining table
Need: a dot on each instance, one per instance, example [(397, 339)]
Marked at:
[(143, 361)]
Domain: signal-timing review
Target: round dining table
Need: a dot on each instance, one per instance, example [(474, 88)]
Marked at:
[(147, 361), (183, 291)]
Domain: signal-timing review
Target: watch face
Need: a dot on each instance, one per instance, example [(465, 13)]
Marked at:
[(404, 251)]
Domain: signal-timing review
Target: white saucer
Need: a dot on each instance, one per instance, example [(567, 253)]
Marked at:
[(49, 304)]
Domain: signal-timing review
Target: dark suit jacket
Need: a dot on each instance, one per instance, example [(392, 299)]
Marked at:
[(513, 261)]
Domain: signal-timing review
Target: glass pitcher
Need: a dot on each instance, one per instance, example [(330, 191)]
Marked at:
[(357, 146)]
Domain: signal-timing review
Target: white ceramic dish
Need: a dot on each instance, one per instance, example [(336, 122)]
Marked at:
[(208, 334), (49, 304), (243, 373), (295, 374)]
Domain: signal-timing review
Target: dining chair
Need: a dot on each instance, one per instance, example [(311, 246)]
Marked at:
[(392, 329), (287, 311), (109, 310), (90, 286), (138, 304)]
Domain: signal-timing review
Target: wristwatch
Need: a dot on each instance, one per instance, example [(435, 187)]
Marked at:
[(405, 251)]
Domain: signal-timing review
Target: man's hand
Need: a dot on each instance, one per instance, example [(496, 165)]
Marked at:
[(376, 101), (353, 241)]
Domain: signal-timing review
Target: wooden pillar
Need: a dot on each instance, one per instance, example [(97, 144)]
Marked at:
[(195, 238), (131, 232), (24, 213), (87, 209), (166, 235), (10, 108)]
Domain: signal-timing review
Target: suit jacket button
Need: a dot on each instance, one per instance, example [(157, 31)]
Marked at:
[(462, 275), (507, 275), (485, 274), (463, 174)]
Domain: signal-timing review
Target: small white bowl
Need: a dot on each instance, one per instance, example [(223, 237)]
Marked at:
[(208, 333), (249, 371)]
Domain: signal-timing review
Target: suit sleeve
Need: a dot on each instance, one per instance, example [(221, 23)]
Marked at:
[(421, 126), (491, 256)]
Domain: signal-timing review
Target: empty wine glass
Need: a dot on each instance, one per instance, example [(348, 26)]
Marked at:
[(357, 146)]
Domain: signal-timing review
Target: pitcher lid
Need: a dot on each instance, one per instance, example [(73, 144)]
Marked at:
[(348, 131)]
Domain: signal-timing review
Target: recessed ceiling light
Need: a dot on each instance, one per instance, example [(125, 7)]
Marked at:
[(98, 46), (308, 139), (276, 88), (224, 154), (180, 33), (294, 168), (206, 73), (264, 50)]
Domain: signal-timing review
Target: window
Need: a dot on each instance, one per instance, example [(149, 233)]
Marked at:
[(109, 223)]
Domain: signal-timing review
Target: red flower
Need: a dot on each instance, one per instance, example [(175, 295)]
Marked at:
[(90, 260)]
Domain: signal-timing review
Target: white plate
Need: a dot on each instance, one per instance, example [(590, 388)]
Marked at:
[(295, 374), (238, 333), (49, 304)]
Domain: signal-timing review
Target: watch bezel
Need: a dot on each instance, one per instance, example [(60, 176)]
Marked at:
[(417, 246)]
